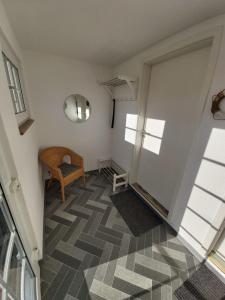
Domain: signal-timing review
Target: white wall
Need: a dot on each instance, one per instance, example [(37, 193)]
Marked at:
[(202, 231), (24, 155), (51, 79)]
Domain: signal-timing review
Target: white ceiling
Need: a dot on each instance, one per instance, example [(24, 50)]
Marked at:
[(103, 31)]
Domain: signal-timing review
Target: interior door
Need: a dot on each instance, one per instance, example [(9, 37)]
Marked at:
[(172, 113)]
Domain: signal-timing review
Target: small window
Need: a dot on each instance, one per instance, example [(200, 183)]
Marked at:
[(14, 84)]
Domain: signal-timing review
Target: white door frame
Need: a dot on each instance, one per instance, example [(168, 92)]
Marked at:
[(184, 43)]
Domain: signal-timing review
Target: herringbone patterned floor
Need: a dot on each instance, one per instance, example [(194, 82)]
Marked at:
[(90, 252)]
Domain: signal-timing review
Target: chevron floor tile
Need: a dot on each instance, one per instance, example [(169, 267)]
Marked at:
[(91, 253)]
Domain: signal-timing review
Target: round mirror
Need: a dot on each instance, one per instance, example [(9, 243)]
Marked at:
[(77, 108)]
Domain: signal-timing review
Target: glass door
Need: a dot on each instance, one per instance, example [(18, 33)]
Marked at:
[(17, 280)]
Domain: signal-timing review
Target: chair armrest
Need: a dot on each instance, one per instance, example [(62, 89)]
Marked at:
[(76, 159), (59, 172)]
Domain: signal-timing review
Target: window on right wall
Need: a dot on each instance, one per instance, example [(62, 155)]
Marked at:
[(14, 85)]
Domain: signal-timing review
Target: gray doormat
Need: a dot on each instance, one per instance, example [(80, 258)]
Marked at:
[(137, 215), (203, 285)]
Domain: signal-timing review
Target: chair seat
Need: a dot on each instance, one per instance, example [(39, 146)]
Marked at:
[(67, 169)]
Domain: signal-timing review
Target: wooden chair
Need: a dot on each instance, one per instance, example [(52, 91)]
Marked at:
[(65, 173)]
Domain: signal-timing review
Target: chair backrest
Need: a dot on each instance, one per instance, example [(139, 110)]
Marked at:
[(53, 156)]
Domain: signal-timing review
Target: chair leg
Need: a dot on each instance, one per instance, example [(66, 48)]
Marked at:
[(49, 183), (62, 193), (84, 179)]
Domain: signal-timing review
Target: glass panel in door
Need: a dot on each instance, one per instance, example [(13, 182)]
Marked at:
[(9, 297), (4, 241), (1, 291), (15, 269), (29, 283)]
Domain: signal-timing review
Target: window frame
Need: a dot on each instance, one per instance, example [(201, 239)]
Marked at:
[(15, 89)]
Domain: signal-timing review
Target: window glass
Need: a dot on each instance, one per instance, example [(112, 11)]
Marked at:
[(9, 73), (9, 297), (15, 268), (4, 240), (14, 84), (16, 77), (29, 284), (1, 293)]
